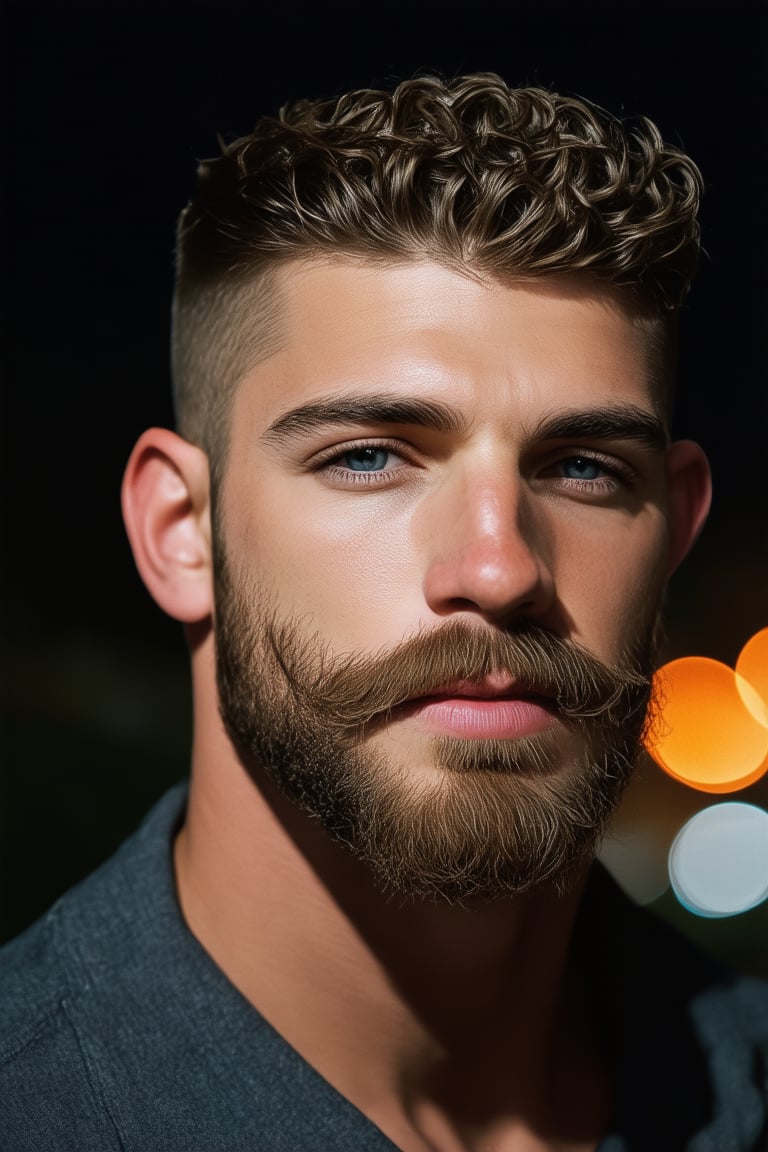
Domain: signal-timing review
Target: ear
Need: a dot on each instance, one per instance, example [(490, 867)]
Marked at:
[(690, 494), (166, 508)]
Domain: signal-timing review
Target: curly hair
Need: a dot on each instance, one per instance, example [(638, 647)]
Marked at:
[(484, 178)]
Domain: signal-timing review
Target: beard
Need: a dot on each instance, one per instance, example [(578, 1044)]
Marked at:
[(491, 817)]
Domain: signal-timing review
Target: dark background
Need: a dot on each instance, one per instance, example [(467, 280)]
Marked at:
[(106, 109)]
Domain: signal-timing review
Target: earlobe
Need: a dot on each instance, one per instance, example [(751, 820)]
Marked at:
[(166, 508), (690, 496)]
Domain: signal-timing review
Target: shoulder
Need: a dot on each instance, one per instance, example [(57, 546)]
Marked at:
[(689, 1034), (56, 1076), (32, 985), (47, 1088)]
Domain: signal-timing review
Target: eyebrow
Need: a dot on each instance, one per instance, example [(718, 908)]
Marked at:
[(607, 422), (378, 408)]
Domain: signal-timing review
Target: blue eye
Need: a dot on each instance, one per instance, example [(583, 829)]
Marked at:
[(366, 459), (582, 468)]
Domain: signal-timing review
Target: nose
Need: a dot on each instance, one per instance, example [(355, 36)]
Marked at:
[(488, 552)]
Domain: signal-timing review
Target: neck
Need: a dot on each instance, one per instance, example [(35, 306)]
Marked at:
[(448, 1026)]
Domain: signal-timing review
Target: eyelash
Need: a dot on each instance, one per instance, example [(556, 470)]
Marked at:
[(328, 463), (618, 472)]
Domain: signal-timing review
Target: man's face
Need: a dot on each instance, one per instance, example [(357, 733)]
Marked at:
[(441, 550)]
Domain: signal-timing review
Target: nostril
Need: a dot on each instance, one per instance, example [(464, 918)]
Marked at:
[(461, 604)]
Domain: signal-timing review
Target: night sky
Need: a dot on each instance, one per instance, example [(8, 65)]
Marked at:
[(106, 109)]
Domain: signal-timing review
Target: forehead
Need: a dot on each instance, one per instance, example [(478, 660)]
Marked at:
[(421, 328)]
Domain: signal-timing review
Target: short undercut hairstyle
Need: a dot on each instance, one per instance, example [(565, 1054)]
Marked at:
[(505, 183)]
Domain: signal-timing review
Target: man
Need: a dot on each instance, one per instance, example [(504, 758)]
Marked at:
[(417, 519)]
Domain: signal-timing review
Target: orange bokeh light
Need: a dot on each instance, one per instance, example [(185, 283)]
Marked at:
[(706, 735), (752, 675)]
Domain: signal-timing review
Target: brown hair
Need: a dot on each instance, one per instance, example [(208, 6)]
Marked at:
[(473, 174)]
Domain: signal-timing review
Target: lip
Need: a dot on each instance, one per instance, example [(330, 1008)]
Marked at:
[(494, 708)]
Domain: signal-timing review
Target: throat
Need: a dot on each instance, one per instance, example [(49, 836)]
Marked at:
[(509, 1087)]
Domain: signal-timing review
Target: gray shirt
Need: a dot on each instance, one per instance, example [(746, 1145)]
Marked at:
[(117, 1031)]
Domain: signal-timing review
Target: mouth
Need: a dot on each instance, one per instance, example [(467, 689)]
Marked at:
[(497, 707)]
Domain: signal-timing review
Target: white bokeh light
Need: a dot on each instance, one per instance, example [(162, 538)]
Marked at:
[(718, 862)]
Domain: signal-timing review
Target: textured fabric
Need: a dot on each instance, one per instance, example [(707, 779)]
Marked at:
[(117, 1031)]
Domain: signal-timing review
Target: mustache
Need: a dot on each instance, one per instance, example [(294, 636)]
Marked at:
[(352, 690)]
